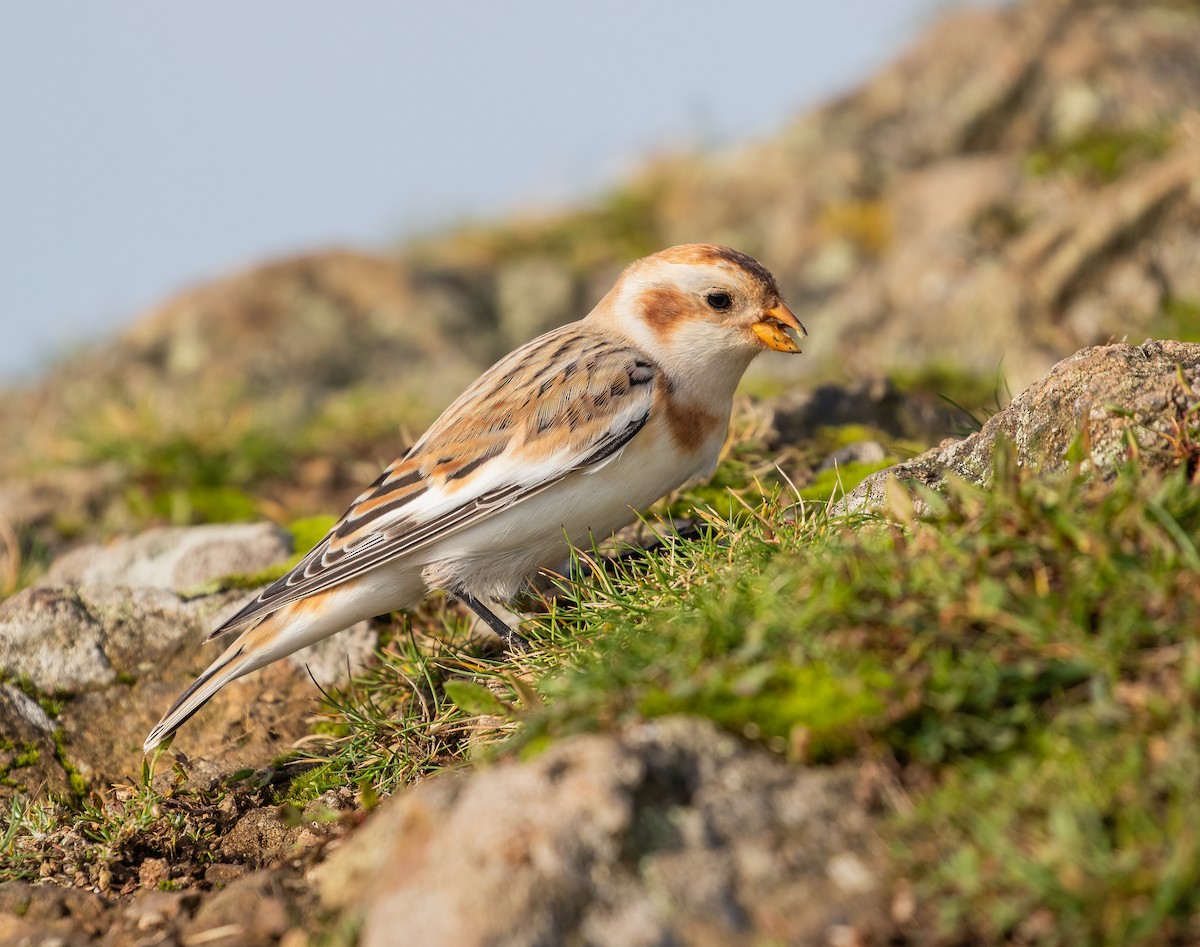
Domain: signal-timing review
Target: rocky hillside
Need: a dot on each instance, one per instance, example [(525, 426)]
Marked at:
[(974, 727)]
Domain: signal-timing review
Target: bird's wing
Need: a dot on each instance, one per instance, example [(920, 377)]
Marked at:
[(567, 401)]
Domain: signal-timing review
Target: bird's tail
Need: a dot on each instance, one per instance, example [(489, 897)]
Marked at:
[(280, 633), (232, 664)]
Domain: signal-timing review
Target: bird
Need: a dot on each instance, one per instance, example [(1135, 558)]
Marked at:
[(559, 444)]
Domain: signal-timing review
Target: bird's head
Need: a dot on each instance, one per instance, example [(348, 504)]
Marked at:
[(698, 303)]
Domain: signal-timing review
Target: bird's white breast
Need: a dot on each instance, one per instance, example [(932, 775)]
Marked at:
[(494, 558)]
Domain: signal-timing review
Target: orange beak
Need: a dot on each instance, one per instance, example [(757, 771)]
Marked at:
[(773, 329)]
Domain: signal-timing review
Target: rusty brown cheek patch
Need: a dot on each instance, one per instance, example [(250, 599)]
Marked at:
[(663, 310)]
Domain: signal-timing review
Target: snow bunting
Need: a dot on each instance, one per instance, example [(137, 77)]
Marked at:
[(564, 439)]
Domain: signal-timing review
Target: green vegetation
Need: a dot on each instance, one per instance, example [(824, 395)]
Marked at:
[(187, 469), (399, 720), (15, 757), (104, 840), (76, 782), (1100, 155), (1178, 319), (230, 465), (838, 481)]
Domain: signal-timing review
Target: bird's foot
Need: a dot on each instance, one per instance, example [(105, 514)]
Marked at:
[(515, 642)]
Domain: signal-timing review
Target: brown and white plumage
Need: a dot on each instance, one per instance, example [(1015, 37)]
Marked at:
[(563, 439)]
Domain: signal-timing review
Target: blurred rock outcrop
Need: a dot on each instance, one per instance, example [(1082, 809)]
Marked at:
[(1099, 408), (672, 833)]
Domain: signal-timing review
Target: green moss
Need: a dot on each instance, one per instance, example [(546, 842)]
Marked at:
[(1102, 155), (75, 781), (310, 784), (1178, 319), (838, 481), (204, 504), (834, 438), (815, 708), (27, 756), (309, 531), (52, 704), (23, 756)]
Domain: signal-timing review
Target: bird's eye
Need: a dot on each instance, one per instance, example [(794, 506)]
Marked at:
[(719, 301)]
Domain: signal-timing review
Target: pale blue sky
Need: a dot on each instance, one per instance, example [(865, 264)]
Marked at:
[(149, 145)]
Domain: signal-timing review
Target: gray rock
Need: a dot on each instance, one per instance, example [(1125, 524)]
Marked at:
[(119, 656), (28, 758), (671, 833), (1111, 393), (74, 639), (178, 558), (21, 713)]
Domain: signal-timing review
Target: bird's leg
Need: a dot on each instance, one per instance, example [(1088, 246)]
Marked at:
[(511, 638)]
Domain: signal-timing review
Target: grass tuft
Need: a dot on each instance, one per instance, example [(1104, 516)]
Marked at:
[(415, 712)]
